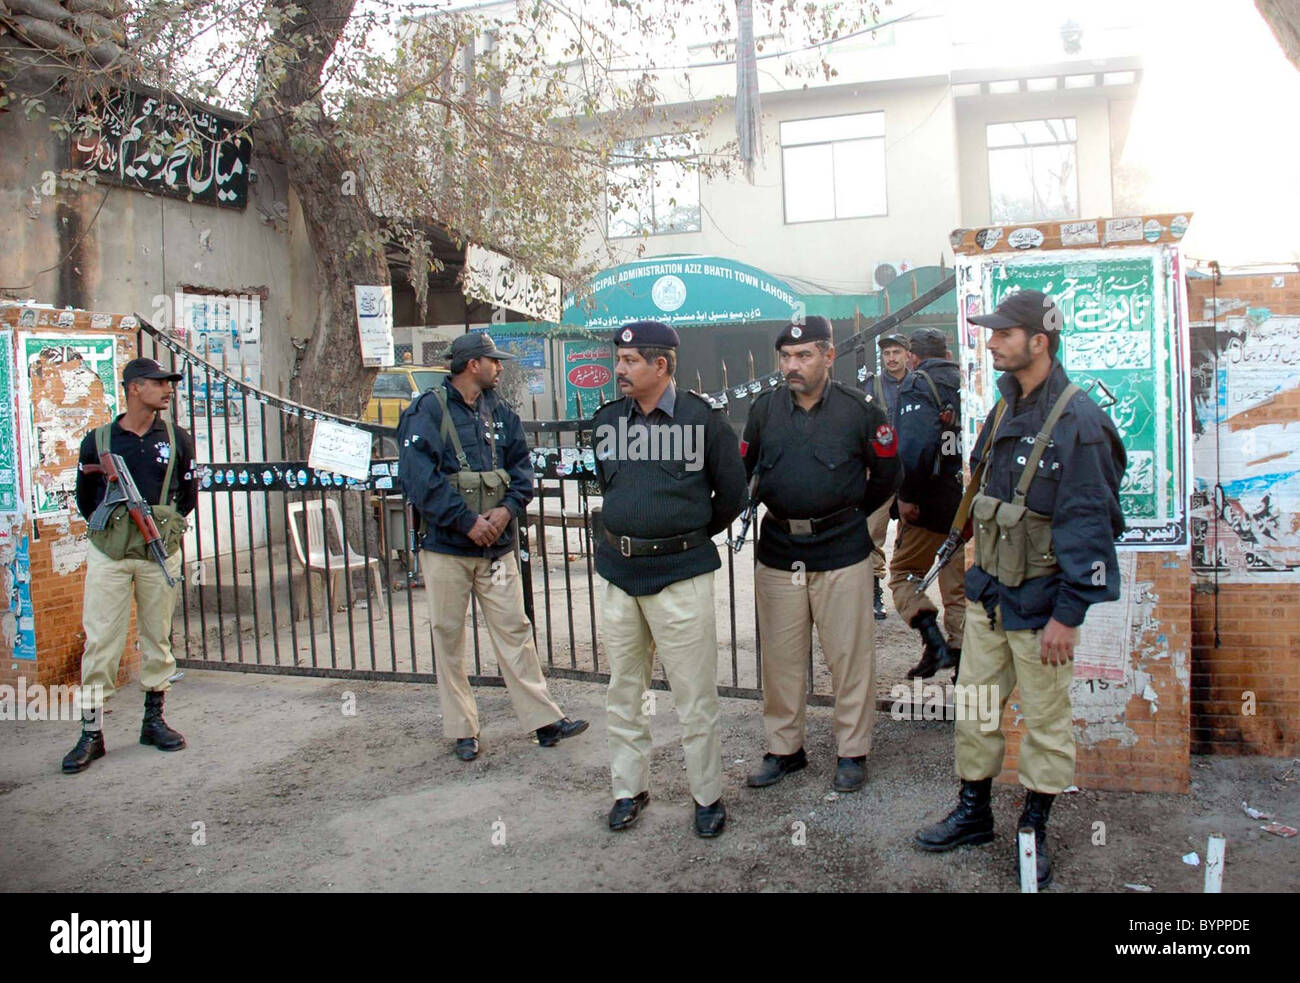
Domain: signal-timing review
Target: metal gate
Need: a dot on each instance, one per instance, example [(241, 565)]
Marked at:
[(297, 571)]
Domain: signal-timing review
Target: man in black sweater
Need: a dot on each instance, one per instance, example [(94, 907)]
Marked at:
[(826, 459), (670, 472)]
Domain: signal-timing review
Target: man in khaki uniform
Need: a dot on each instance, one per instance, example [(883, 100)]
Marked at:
[(882, 388), (825, 458), (671, 479), (1047, 465), (160, 458), (466, 468)]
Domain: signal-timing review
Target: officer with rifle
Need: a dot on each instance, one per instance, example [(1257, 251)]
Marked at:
[(929, 448), (1044, 503), (824, 459), (135, 485), (882, 388)]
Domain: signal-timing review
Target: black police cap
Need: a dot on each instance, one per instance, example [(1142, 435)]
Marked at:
[(812, 328), (1032, 310), (646, 334), (929, 343), (147, 368)]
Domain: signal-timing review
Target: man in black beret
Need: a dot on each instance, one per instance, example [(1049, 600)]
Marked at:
[(929, 448), (670, 473), (882, 389), (825, 459)]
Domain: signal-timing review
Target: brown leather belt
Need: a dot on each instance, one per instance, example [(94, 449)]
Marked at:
[(634, 546), (810, 527)]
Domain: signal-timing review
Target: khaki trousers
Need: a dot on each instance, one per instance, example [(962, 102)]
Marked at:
[(838, 602), (678, 624), (993, 657), (495, 584), (878, 529), (914, 551), (106, 614)]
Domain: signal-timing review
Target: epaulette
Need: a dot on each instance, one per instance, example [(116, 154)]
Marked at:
[(859, 397), (606, 405), (713, 401)]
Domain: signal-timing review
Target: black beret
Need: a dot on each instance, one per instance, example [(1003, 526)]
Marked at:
[(929, 343), (646, 334), (812, 328)]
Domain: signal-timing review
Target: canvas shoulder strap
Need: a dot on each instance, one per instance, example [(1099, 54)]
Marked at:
[(164, 496), (879, 387), (103, 437), (1041, 441), (448, 428), (934, 390), (988, 446)]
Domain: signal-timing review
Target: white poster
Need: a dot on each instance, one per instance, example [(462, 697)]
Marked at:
[(375, 325), (340, 449), (1105, 638)]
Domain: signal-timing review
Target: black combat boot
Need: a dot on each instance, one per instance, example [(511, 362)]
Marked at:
[(1037, 807), (878, 601), (89, 748), (936, 654), (971, 822), (154, 730)]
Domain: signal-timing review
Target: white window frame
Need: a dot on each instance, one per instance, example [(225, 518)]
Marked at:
[(874, 118), (990, 150), (649, 147)]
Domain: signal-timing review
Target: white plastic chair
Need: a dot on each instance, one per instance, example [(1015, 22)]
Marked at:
[(315, 558)]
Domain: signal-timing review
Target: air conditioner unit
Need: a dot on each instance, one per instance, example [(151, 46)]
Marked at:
[(887, 271)]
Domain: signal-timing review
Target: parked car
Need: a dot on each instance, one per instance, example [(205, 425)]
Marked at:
[(393, 391)]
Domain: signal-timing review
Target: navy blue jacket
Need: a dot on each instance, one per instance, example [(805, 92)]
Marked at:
[(1077, 485), (425, 463), (921, 442)]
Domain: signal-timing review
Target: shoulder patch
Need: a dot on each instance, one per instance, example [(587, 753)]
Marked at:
[(717, 403)]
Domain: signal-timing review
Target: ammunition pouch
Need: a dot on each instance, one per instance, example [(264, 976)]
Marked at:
[(482, 490), (1012, 542), (120, 539)]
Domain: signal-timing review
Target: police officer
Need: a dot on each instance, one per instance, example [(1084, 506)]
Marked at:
[(160, 457), (929, 448), (465, 466), (882, 388), (1045, 521), (670, 472), (825, 459)]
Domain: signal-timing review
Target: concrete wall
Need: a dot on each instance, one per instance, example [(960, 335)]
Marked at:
[(124, 248), (1089, 106)]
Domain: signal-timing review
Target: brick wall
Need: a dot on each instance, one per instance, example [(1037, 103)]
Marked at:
[(1258, 655), (56, 545)]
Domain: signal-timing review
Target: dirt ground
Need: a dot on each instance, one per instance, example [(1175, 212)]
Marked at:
[(295, 795)]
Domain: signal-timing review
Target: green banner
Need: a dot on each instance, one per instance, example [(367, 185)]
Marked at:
[(588, 369), (1120, 328)]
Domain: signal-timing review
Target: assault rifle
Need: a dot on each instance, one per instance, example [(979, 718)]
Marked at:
[(122, 490), (746, 516)]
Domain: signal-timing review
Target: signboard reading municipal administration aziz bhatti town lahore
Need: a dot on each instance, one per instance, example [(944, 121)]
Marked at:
[(165, 147)]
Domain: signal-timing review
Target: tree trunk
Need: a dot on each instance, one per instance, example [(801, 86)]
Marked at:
[(327, 180), (1283, 16)]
